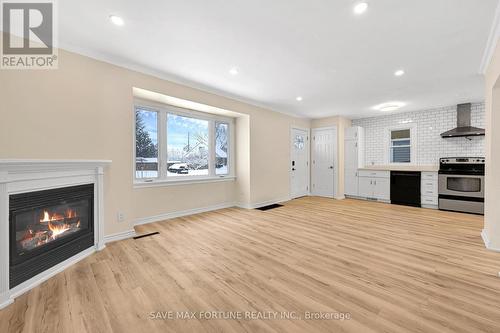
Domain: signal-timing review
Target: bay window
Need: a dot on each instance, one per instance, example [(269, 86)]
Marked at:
[(173, 144)]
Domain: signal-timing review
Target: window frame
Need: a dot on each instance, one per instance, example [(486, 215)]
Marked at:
[(413, 144), (162, 180)]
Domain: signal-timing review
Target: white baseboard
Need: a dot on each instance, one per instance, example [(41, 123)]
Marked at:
[(119, 236), (6, 302), (486, 241), (261, 204), (42, 277), (171, 215)]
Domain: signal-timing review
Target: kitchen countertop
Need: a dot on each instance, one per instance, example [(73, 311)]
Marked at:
[(424, 168)]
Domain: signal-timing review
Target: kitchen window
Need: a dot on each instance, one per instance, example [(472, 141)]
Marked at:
[(400, 146), (174, 145)]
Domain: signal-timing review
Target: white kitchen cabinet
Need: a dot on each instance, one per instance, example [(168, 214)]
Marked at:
[(353, 159), (382, 189), (365, 187), (351, 185), (375, 185), (429, 190)]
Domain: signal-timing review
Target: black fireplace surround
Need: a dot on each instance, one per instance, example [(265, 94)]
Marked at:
[(48, 227)]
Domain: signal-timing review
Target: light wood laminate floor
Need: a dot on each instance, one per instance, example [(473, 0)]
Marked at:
[(391, 268)]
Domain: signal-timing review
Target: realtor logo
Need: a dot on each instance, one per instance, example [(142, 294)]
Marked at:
[(28, 35)]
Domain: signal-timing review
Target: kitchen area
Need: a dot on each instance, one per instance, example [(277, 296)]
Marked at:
[(431, 159)]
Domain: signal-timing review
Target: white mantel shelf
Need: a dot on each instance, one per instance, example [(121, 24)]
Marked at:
[(17, 165), (27, 175)]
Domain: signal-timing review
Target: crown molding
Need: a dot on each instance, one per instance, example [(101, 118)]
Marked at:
[(491, 44)]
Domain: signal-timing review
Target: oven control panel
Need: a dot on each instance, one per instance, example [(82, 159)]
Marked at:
[(462, 160)]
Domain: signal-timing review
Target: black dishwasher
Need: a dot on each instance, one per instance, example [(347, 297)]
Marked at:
[(405, 188)]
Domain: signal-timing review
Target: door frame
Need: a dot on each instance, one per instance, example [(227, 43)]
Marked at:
[(335, 157), (308, 161)]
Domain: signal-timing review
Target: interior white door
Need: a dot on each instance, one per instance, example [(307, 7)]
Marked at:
[(323, 166), (299, 174)]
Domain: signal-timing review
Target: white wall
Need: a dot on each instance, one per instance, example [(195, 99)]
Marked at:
[(429, 125)]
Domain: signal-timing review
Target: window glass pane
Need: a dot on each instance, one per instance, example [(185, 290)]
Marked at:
[(400, 154), (146, 144), (187, 150), (400, 134), (401, 142), (221, 148), (298, 142), (400, 146)]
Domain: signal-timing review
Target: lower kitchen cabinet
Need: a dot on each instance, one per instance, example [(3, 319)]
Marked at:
[(365, 187), (376, 186), (429, 190)]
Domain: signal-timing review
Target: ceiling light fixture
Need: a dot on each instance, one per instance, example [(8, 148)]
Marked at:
[(117, 20), (360, 8), (233, 71), (389, 106), (299, 99), (399, 72)]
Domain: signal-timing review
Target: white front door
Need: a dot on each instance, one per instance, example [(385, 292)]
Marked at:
[(323, 161), (299, 174)]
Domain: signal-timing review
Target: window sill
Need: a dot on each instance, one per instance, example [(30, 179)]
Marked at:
[(174, 182)]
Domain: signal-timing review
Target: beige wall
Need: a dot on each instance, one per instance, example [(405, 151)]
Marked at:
[(341, 123), (270, 155), (83, 110), (492, 194), (242, 161)]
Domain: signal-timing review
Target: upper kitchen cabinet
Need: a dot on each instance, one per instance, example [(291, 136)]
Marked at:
[(353, 158)]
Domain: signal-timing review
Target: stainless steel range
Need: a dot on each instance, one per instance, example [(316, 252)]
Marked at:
[(461, 184)]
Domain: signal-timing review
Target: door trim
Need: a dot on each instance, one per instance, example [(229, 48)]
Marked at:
[(308, 154), (335, 159)]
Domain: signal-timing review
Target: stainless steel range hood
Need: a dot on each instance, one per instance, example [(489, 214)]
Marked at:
[(463, 124)]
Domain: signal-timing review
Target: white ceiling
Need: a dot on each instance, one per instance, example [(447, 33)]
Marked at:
[(342, 64)]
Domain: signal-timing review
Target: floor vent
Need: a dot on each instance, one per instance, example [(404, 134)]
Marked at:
[(147, 235), (269, 207)]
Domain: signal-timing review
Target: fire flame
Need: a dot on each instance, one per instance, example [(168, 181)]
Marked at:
[(58, 228), (55, 217)]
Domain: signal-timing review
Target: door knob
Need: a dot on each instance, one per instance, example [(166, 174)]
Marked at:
[(331, 167)]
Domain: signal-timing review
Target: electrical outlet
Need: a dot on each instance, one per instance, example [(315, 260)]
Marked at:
[(120, 216)]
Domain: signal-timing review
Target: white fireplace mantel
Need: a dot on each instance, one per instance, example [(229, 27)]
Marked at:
[(21, 176)]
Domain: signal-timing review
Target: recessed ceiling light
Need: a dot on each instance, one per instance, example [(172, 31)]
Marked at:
[(389, 106), (116, 20), (233, 71), (399, 72), (299, 98), (360, 8)]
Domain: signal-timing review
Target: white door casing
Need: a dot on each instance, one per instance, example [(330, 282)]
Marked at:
[(299, 162), (324, 142)]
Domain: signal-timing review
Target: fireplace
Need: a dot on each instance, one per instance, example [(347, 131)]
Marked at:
[(48, 227)]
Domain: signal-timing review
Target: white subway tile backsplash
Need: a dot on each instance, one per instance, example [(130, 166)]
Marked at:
[(429, 125)]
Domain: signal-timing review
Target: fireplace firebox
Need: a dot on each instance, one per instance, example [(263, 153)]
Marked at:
[(48, 227)]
